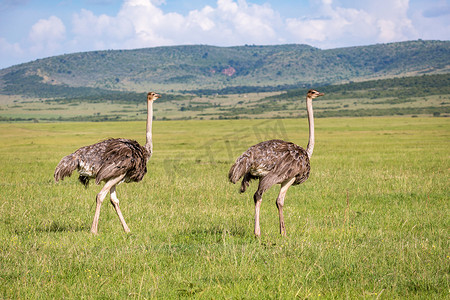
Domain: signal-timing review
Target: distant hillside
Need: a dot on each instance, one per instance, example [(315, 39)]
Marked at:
[(209, 69), (426, 95)]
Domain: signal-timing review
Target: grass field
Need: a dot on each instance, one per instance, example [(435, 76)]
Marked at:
[(252, 105), (371, 222)]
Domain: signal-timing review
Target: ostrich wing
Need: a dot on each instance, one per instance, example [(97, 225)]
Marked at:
[(123, 156), (276, 161)]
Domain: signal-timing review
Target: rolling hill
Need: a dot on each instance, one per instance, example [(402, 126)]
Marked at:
[(203, 69)]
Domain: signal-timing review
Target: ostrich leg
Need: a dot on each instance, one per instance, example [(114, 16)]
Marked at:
[(280, 203), (100, 197), (115, 203), (257, 209), (258, 199)]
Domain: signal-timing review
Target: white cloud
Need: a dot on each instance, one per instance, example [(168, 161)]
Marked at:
[(140, 23), (99, 32), (51, 29), (387, 21), (151, 26), (393, 23), (333, 24), (202, 19), (47, 35), (143, 23), (8, 49), (255, 23)]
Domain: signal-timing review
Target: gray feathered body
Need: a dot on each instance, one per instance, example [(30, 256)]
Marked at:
[(273, 162), (106, 160)]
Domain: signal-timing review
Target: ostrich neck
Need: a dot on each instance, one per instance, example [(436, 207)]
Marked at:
[(309, 110), (149, 143)]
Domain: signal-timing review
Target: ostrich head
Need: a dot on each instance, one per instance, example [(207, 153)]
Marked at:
[(152, 96), (314, 94)]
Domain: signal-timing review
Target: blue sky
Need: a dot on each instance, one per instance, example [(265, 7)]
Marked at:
[(32, 29)]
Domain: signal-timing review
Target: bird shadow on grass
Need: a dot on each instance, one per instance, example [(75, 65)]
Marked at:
[(214, 234), (54, 226)]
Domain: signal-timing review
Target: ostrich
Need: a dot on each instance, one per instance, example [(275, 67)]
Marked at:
[(113, 161), (275, 162)]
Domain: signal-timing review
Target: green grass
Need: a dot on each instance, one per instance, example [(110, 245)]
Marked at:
[(255, 105), (371, 222)]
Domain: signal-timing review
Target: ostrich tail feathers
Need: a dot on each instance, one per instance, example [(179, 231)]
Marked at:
[(66, 166)]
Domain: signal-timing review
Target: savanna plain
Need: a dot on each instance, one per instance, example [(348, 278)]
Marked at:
[(371, 222)]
